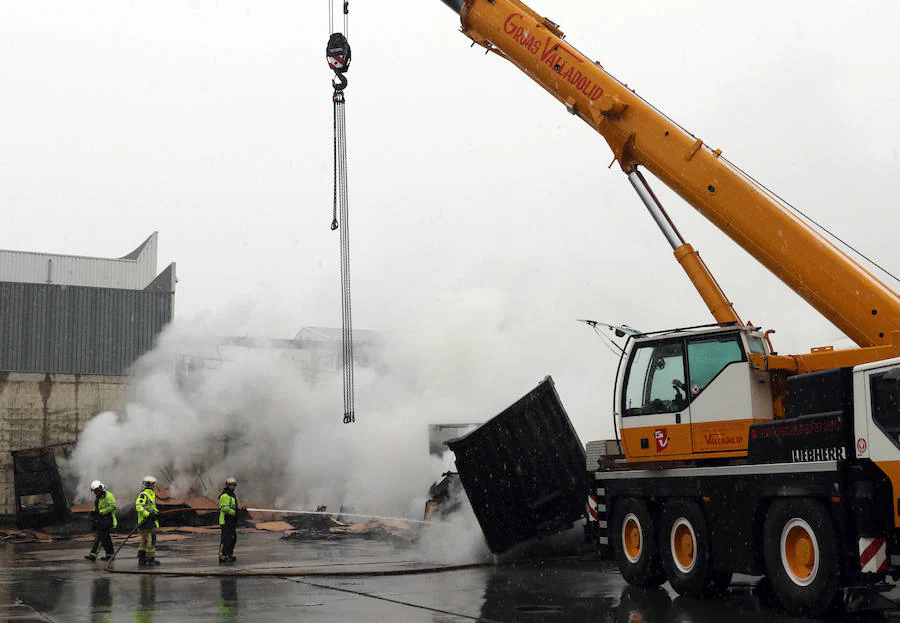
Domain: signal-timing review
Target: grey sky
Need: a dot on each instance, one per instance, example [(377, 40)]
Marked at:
[(479, 208)]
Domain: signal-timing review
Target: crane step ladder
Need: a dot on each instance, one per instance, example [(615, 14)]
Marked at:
[(597, 525)]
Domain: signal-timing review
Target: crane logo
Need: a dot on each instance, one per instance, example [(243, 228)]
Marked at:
[(661, 436), (553, 53)]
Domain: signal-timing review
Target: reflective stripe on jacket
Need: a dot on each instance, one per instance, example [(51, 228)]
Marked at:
[(146, 504), (106, 505), (227, 505)]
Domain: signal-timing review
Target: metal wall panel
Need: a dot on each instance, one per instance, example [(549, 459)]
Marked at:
[(133, 272), (78, 330)]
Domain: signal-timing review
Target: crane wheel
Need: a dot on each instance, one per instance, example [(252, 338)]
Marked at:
[(686, 551), (800, 549), (634, 543)]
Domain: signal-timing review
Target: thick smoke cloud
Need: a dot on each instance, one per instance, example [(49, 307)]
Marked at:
[(200, 411)]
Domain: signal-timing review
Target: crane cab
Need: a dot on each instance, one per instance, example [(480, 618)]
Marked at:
[(689, 394)]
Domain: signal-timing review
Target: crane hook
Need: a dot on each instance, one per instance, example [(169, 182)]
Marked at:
[(339, 82), (337, 53)]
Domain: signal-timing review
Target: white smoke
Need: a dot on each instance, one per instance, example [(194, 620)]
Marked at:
[(199, 412), (455, 540), (253, 413)]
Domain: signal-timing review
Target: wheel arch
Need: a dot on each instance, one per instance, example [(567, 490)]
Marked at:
[(654, 503)]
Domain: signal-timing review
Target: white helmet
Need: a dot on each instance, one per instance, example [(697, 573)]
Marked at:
[(231, 481), (96, 485), (148, 480)]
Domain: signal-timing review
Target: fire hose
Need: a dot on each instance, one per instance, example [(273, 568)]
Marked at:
[(289, 574), (298, 576), (327, 574), (264, 510), (130, 534), (301, 574)]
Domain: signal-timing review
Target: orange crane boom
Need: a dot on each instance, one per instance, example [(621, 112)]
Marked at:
[(854, 300)]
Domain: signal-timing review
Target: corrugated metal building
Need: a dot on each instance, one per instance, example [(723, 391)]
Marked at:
[(132, 272), (66, 314)]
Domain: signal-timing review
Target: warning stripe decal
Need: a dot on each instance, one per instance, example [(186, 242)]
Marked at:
[(873, 555)]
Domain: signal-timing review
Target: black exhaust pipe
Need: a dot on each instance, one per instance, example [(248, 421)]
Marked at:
[(456, 5)]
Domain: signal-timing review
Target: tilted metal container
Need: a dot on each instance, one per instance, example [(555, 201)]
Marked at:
[(524, 470)]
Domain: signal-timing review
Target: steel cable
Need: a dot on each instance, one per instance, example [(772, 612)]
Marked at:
[(342, 220), (338, 56)]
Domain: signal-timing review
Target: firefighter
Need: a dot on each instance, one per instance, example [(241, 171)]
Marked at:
[(147, 515), (228, 506), (104, 520)]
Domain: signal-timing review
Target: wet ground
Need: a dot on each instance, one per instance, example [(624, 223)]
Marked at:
[(51, 582)]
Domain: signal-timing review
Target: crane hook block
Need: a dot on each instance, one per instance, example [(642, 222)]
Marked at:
[(338, 53), (339, 82)]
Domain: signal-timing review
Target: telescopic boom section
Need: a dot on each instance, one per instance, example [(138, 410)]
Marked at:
[(860, 305)]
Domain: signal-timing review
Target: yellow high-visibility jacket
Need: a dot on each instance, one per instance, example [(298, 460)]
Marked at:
[(144, 505), (227, 506), (106, 505)]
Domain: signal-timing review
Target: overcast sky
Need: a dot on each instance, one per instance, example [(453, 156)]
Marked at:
[(479, 207)]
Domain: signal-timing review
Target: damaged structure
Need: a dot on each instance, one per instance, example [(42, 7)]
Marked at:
[(446, 495), (523, 470), (39, 494)]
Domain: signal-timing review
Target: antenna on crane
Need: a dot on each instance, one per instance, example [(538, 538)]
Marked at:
[(337, 53), (619, 331)]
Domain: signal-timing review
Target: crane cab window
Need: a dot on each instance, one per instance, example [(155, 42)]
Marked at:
[(708, 357), (654, 379), (756, 344), (885, 390)]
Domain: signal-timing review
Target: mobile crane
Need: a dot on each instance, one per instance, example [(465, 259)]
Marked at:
[(734, 459)]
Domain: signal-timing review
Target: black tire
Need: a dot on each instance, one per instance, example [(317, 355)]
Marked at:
[(800, 549), (634, 543), (686, 551)]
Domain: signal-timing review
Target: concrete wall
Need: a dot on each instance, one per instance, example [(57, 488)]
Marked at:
[(45, 409)]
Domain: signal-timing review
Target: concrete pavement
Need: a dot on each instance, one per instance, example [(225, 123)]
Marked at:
[(51, 582)]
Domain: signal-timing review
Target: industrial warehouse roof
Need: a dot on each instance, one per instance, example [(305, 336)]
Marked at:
[(134, 271), (67, 314)]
